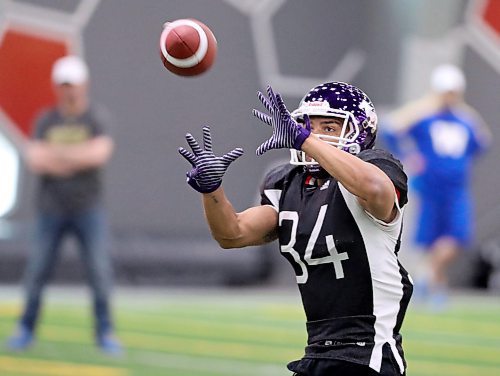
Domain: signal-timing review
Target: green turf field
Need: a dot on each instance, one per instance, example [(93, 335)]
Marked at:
[(238, 332)]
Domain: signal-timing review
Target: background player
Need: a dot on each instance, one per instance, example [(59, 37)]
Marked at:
[(438, 137), (71, 144), (336, 211)]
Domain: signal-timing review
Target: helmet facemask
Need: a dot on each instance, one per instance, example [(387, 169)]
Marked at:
[(344, 141)]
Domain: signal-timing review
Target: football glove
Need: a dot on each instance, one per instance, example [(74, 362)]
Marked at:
[(208, 169), (287, 133)]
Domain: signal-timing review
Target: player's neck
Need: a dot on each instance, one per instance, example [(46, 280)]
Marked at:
[(312, 181), (320, 182)]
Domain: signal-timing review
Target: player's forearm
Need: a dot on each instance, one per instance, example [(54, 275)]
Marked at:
[(41, 159), (222, 219), (254, 226), (362, 179), (90, 154), (46, 167)]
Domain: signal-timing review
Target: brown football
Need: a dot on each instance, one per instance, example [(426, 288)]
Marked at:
[(187, 47)]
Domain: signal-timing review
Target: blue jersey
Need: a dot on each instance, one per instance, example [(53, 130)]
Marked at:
[(447, 142)]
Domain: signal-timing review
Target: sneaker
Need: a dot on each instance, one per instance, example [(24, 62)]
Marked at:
[(21, 340), (109, 344)]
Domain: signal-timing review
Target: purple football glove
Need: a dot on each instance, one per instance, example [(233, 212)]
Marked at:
[(208, 169), (287, 133)]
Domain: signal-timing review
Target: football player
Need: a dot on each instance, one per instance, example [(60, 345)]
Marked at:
[(336, 210), (440, 136)]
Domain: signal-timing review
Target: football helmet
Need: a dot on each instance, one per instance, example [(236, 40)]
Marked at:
[(344, 101)]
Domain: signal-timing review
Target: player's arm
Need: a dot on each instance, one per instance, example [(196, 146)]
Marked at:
[(480, 129), (41, 158), (371, 185), (398, 126), (374, 189), (40, 155), (254, 226), (64, 160), (92, 153), (403, 119)]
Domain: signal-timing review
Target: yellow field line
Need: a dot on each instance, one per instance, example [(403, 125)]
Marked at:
[(43, 367), (10, 310)]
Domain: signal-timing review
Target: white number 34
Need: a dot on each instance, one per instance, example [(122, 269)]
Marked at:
[(334, 257)]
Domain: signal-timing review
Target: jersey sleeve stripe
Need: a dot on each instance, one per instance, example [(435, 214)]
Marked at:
[(274, 196), (386, 277)]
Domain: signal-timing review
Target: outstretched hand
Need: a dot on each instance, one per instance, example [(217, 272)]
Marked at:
[(208, 169), (287, 133)]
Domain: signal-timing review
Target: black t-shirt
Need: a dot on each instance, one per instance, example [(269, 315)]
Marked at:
[(354, 291), (83, 189)]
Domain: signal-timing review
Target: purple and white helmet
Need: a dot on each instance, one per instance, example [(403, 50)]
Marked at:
[(344, 101)]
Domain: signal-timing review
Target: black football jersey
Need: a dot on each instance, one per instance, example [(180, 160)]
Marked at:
[(353, 288)]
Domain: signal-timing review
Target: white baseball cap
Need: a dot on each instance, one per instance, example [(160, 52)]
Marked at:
[(446, 78), (70, 70)]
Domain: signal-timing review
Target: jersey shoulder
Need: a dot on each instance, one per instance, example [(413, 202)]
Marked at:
[(392, 167), (277, 177)]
